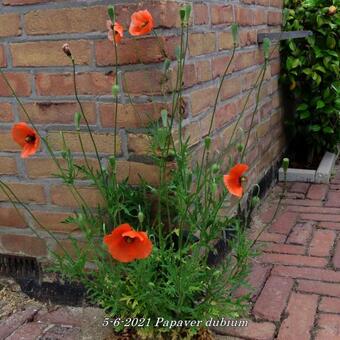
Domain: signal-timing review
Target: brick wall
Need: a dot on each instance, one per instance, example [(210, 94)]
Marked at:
[(31, 35)]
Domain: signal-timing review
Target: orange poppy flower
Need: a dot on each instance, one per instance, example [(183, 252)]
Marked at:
[(233, 181), (141, 23), (127, 245), (27, 138), (115, 33)]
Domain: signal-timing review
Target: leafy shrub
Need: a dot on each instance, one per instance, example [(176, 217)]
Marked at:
[(310, 72)]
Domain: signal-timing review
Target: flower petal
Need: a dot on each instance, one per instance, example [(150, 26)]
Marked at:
[(20, 131)]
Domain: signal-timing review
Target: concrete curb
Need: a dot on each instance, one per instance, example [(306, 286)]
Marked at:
[(321, 175)]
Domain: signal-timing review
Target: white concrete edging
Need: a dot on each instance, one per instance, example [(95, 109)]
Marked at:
[(320, 175)]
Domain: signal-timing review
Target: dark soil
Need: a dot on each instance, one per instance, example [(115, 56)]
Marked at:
[(302, 158)]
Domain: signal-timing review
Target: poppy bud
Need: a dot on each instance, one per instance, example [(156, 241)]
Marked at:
[(207, 142), (111, 13), (240, 147), (234, 32), (182, 14), (266, 48), (215, 168), (140, 217), (66, 50), (331, 10), (285, 164), (213, 187), (166, 64), (77, 117), (187, 13), (115, 90), (255, 201)]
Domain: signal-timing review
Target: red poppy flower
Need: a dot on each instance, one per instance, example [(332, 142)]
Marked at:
[(27, 138), (115, 33), (127, 245), (233, 181), (141, 23)]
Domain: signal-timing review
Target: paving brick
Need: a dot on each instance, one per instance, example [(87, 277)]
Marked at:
[(301, 234), (329, 327), (336, 256), (258, 330), (284, 223), (333, 199), (307, 273), (330, 305), (301, 312), (317, 287), (255, 279), (272, 300), (294, 260), (61, 316), (299, 187), (30, 330), (313, 210), (270, 237), (317, 191), (8, 326), (285, 249), (322, 242), (320, 217)]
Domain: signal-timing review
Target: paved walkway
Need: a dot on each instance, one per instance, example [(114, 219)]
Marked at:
[(297, 278)]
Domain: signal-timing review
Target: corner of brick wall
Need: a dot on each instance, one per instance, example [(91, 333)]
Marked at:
[(31, 35)]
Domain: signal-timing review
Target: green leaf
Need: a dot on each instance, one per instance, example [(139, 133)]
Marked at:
[(315, 128), (319, 68), (302, 107), (320, 104), (328, 129), (304, 114)]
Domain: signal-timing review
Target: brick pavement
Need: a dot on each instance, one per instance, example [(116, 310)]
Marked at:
[(296, 280)]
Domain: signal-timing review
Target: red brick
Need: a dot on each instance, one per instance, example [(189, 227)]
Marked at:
[(103, 141), (139, 143), (299, 187), (260, 16), (294, 260), (321, 288), (60, 316), (27, 245), (219, 65), (322, 243), (328, 327), (276, 3), (201, 14), (307, 273), (203, 70), (6, 113), (34, 330), (22, 2), (130, 116), (320, 217), (303, 202), (273, 298), (317, 191), (274, 18), (225, 41), (66, 20), (3, 61), (330, 225), (333, 199), (262, 2), (272, 237), (49, 53), (301, 313), (59, 113), (10, 25), (9, 325), (9, 217), (301, 234), (26, 192), (314, 210), (329, 305), (258, 330), (221, 14), (244, 16), (248, 38), (135, 170), (202, 99), (336, 256), (8, 166), (53, 221), (202, 43), (225, 114), (21, 83), (61, 195), (230, 88), (244, 60), (256, 279), (137, 50), (61, 84), (284, 223), (285, 249)]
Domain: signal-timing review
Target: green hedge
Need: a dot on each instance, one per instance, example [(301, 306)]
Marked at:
[(310, 74)]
